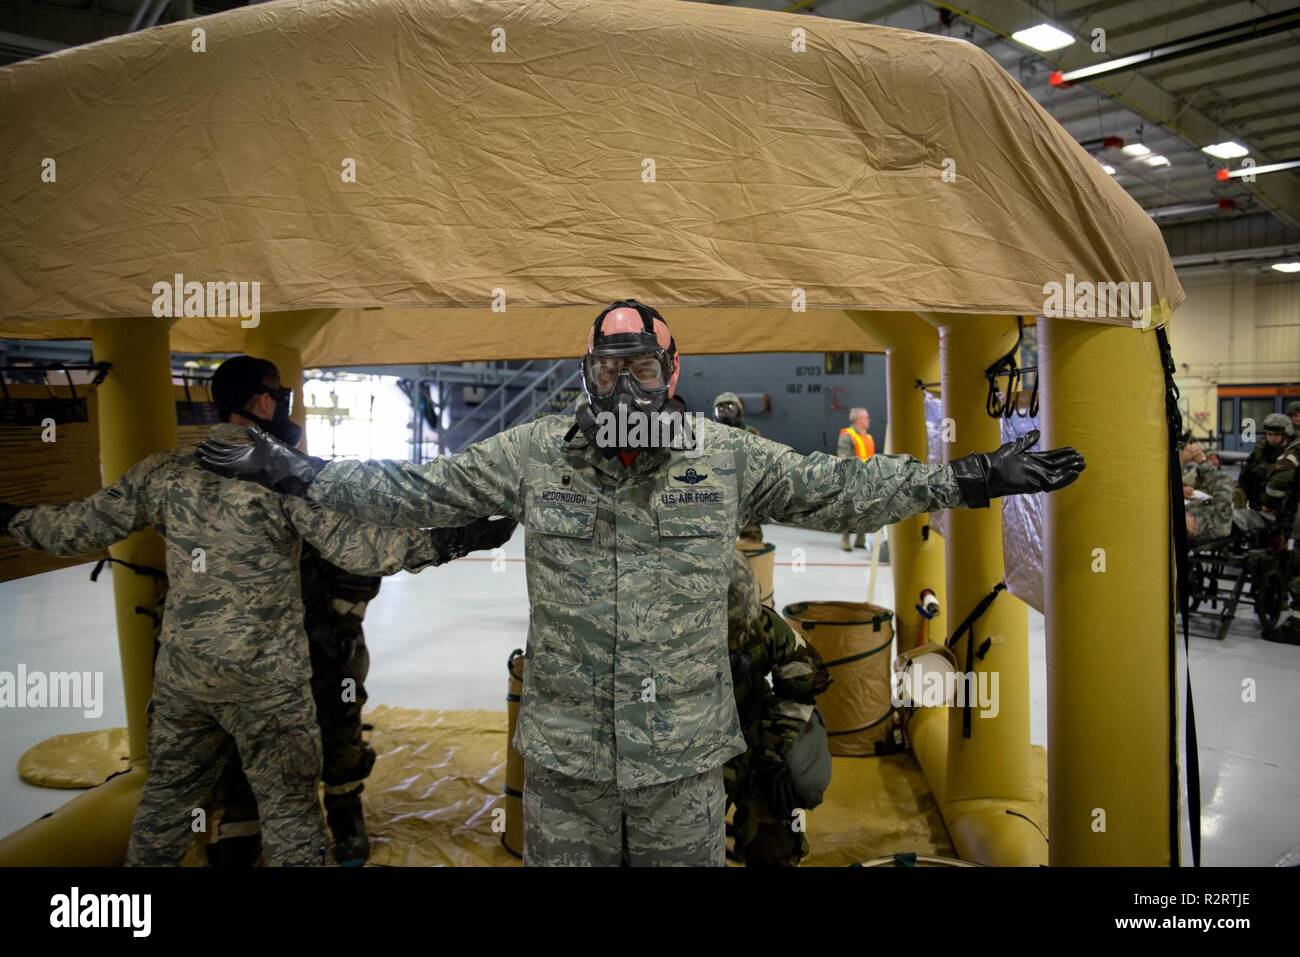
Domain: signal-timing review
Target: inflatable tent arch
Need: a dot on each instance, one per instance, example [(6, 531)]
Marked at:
[(386, 169)]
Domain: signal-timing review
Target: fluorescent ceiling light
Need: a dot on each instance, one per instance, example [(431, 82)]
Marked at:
[(1135, 149), (1226, 174), (1043, 38), (1226, 151), (1287, 267), (1157, 161), (1108, 169)]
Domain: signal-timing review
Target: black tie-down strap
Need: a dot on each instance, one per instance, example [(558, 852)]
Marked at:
[(1179, 593), (967, 627), (151, 613)]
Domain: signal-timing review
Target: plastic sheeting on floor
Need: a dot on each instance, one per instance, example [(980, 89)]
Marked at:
[(439, 778), (438, 781), (440, 774), (875, 807)]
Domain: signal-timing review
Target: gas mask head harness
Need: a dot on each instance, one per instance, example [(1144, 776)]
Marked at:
[(628, 367), (625, 373), (238, 380)]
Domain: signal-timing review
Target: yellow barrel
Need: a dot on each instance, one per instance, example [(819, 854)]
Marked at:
[(762, 559), (853, 639), (513, 839)]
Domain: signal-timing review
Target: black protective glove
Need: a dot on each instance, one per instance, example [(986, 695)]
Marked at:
[(480, 534), (1012, 470), (267, 461), (7, 513), (770, 779)]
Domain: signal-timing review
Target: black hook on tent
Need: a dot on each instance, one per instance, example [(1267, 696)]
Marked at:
[(153, 614), (138, 569), (967, 628), (995, 405)]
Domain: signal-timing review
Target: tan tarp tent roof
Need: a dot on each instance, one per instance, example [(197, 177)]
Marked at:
[(525, 168), (402, 336)]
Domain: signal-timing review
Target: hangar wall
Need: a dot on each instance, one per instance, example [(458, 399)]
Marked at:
[(1235, 328), (810, 404)]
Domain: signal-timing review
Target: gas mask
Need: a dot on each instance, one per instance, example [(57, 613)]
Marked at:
[(280, 425), (728, 413), (626, 376)]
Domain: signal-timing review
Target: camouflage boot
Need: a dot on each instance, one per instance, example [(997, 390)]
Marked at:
[(347, 825)]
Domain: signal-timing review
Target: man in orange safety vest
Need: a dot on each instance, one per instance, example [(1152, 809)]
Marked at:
[(856, 441)]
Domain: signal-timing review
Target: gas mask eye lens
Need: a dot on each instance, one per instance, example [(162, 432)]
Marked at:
[(647, 371), (605, 370)]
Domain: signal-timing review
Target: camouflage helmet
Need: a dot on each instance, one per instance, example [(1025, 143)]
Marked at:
[(744, 604), (728, 397), (1277, 422), (1293, 408)]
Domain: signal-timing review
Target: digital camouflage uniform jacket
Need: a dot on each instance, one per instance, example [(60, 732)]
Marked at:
[(1213, 517), (628, 674), (233, 622)]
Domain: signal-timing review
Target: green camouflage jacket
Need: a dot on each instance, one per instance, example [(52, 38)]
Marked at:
[(1213, 517), (628, 674), (233, 622), (1254, 473), (1282, 485), (761, 644)]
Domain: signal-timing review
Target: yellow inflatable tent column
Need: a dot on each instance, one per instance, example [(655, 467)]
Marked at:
[(1106, 581), (916, 560), (279, 337), (137, 417), (988, 787)]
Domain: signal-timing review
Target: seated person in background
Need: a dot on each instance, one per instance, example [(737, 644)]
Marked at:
[(1207, 495)]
